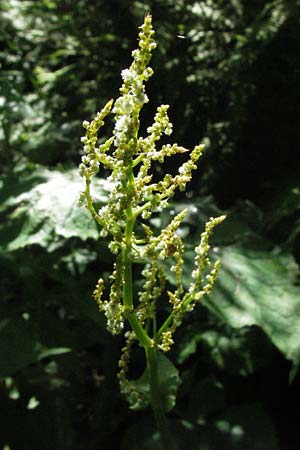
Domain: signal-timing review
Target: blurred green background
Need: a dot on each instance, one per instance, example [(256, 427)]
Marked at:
[(230, 71)]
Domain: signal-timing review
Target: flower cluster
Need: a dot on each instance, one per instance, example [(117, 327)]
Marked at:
[(129, 158)]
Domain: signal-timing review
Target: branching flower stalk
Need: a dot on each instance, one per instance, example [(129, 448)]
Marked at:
[(129, 158)]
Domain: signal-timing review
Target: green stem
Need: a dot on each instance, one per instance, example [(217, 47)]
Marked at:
[(186, 301), (140, 332), (89, 201), (127, 264), (155, 399), (130, 315), (165, 326)]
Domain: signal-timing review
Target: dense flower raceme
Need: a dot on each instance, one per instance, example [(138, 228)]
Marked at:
[(129, 159)]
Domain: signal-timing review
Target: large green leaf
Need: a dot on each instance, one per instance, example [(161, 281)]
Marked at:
[(257, 287), (42, 209)]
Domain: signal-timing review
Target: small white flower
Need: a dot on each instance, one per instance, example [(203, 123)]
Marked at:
[(127, 75), (120, 124)]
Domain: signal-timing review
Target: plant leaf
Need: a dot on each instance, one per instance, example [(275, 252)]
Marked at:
[(257, 287), (42, 209), (169, 381)]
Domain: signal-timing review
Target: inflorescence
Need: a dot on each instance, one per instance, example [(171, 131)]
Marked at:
[(129, 159)]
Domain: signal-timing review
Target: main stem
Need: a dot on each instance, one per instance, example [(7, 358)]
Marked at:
[(130, 315), (156, 400), (140, 332)]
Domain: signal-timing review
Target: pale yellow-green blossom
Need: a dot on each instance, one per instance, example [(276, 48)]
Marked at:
[(130, 158)]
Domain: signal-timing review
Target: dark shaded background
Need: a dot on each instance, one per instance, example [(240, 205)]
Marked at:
[(230, 72)]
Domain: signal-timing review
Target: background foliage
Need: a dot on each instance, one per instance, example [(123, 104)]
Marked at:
[(230, 72)]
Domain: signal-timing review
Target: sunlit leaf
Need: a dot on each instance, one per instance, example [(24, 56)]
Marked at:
[(42, 209), (257, 287)]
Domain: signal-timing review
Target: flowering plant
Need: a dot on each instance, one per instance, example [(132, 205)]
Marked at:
[(134, 197)]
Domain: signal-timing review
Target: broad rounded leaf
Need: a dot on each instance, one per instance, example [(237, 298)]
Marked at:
[(257, 287)]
